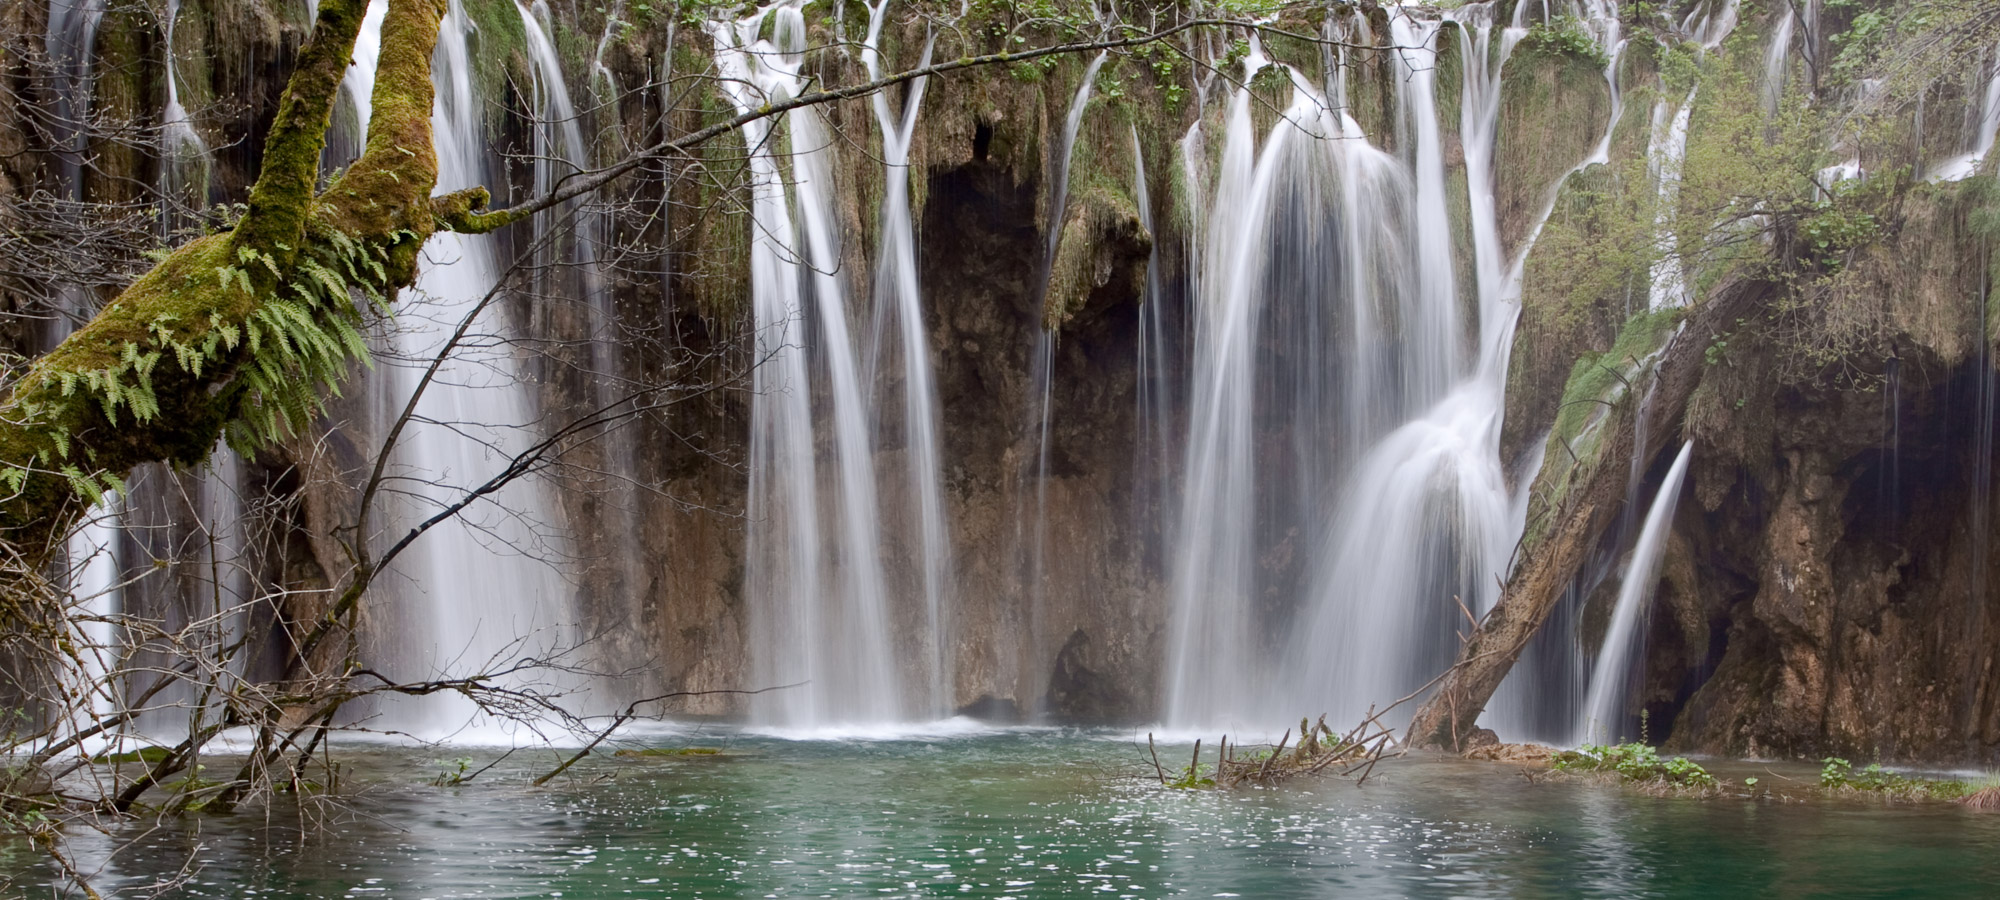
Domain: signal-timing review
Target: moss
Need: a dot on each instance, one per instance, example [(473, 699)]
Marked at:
[(1839, 776), (283, 196), (1595, 399), (497, 47), (1082, 263), (241, 330), (1601, 379), (1553, 112), (147, 755), (1561, 38)]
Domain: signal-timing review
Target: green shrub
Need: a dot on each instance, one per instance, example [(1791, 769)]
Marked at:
[(1564, 36), (1837, 773), (1634, 762)]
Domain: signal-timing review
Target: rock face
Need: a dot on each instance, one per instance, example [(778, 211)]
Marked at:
[(1842, 584)]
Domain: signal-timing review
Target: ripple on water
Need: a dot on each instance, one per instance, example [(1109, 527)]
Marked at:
[(1028, 813)]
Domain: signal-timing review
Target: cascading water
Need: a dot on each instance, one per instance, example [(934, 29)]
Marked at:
[(71, 41), (1308, 242), (819, 620), (1772, 85), (560, 152), (1059, 179), (1394, 416), (1155, 364), (94, 576), (1031, 534), (1985, 129), (898, 292), (1710, 22), (184, 168), (1603, 712), (1422, 523), (96, 581), (1665, 154), (483, 588)]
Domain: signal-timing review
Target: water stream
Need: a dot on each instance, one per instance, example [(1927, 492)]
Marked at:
[(898, 292), (483, 591), (820, 618), (1603, 717)]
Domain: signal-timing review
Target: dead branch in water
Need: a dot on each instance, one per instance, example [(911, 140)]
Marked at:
[(1318, 750)]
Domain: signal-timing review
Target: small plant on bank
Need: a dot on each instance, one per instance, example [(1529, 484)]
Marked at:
[(1839, 774), (1634, 762)]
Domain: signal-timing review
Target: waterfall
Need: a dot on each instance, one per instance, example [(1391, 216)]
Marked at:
[(560, 152), (1665, 152), (71, 42), (817, 618), (1155, 365), (1033, 545), (1421, 529), (93, 578), (1390, 482), (1212, 638), (1963, 166), (1772, 86), (1059, 163), (1710, 22), (184, 161), (483, 590), (96, 583), (897, 289), (1604, 708), (1308, 243)]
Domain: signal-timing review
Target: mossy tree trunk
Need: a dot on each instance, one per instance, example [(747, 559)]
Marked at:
[(239, 333)]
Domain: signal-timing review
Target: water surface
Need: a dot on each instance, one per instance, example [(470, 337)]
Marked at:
[(1031, 813)]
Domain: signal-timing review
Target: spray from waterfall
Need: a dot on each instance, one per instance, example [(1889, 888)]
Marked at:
[(1603, 713)]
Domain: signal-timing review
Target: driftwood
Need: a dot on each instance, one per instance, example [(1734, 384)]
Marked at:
[(1318, 750)]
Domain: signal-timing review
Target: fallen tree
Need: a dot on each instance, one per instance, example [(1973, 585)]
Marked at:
[(1576, 497)]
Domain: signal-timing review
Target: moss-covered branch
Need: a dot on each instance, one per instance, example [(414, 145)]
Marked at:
[(237, 333)]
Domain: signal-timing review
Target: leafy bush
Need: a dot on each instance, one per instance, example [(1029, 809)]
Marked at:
[(1564, 36), (1634, 762)]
